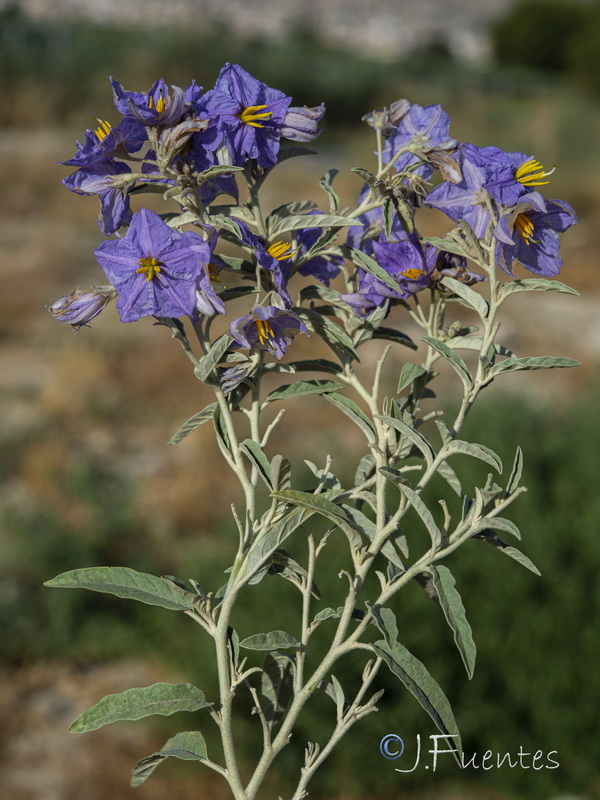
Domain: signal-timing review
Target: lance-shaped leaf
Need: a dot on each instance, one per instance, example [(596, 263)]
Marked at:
[(454, 611), (535, 285), (474, 343), (370, 265), (445, 471), (302, 388), (132, 704), (447, 244), (187, 745), (275, 640), (409, 373), (385, 620), (326, 184), (479, 451), (316, 365), (471, 298), (351, 410), (489, 536), (515, 473), (286, 566), (392, 335), (193, 422), (127, 583), (531, 362), (422, 510), (320, 505), (334, 690), (207, 364), (455, 360), (265, 545), (277, 685), (422, 685), (414, 436), (311, 221), (259, 460)]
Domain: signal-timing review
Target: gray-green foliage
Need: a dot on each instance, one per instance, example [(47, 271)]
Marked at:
[(395, 534)]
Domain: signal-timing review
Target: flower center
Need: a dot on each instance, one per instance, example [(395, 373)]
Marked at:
[(265, 331), (102, 130), (281, 250), (412, 274), (531, 173), (251, 115), (161, 103), (525, 227), (149, 267)]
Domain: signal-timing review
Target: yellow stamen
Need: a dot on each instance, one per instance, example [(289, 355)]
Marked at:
[(525, 227), (531, 173), (102, 130), (250, 115), (213, 273), (161, 103), (281, 250), (265, 331), (149, 266), (412, 274)]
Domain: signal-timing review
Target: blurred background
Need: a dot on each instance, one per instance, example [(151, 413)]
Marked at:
[(86, 477)]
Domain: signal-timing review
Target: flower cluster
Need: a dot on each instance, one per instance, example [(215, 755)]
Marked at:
[(190, 145)]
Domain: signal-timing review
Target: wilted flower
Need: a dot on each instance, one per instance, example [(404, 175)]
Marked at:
[(81, 306), (155, 269), (267, 328), (300, 123), (421, 130)]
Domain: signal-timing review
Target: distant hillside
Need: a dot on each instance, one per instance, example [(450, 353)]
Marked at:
[(381, 28)]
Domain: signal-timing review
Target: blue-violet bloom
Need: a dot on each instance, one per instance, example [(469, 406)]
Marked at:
[(267, 328), (529, 234), (249, 115), (155, 269)]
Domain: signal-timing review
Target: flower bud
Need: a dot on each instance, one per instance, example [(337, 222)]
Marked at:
[(300, 123), (81, 306)]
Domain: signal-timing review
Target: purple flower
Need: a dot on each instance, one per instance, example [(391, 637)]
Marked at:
[(515, 175), (249, 115), (529, 234), (158, 107), (324, 268), (154, 269), (81, 306), (404, 260), (468, 199), (300, 124), (207, 300), (104, 142), (267, 328), (420, 129), (271, 257), (100, 179)]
